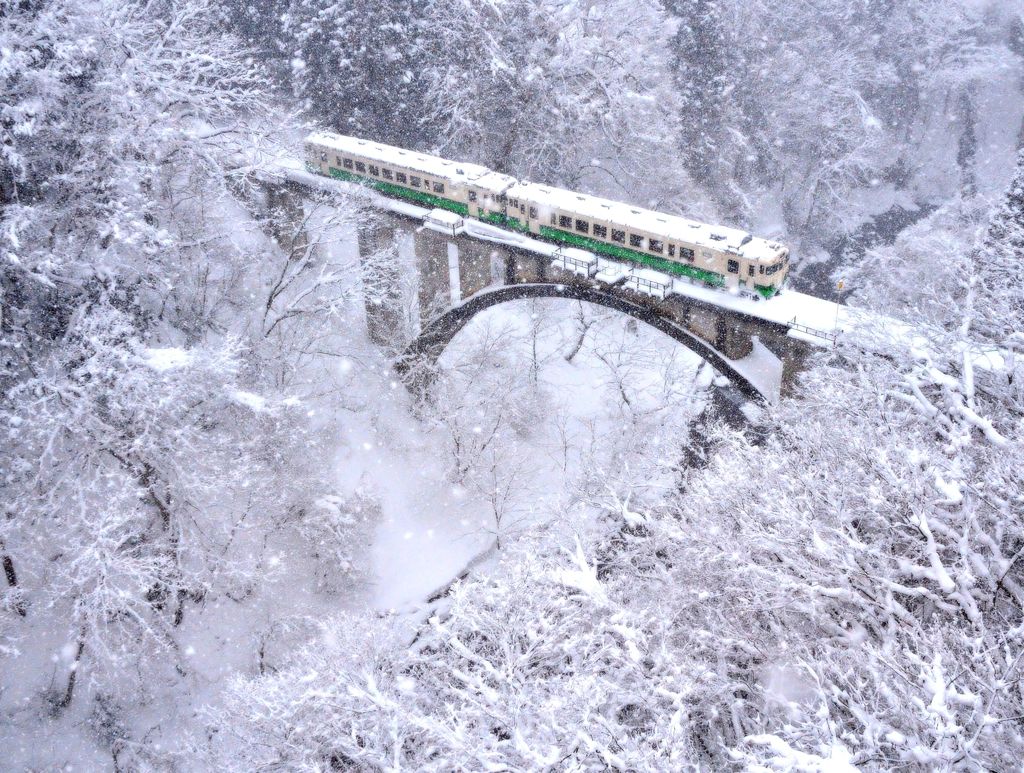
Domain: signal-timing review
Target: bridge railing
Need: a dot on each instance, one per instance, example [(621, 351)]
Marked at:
[(794, 325)]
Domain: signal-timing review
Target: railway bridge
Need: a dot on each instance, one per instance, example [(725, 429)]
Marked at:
[(461, 268)]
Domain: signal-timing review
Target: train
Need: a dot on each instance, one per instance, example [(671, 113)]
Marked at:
[(716, 256)]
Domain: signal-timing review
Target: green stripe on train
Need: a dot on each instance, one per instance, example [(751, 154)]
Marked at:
[(494, 218), (514, 222), (398, 190), (681, 269)]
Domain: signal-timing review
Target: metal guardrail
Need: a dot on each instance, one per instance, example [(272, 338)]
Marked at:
[(645, 285), (586, 267), (794, 325)]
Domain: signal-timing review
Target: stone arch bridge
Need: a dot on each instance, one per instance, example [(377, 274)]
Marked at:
[(419, 302)]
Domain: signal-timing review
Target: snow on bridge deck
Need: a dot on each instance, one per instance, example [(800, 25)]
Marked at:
[(815, 320)]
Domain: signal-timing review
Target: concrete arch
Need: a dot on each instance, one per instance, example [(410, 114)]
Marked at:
[(435, 337)]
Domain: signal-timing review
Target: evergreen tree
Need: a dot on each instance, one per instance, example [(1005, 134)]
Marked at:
[(356, 65), (261, 24), (701, 73), (999, 264)]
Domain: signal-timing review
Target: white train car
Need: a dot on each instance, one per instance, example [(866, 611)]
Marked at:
[(715, 255), (430, 181)]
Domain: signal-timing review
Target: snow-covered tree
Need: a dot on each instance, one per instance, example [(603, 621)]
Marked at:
[(580, 100), (111, 501), (999, 297), (805, 106), (358, 66), (536, 669), (703, 68), (144, 464)]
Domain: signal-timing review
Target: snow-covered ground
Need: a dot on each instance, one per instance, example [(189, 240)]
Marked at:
[(426, 532)]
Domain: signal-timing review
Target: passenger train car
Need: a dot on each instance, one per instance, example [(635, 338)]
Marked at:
[(715, 255)]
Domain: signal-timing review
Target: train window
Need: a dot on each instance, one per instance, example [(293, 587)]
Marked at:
[(414, 181), (323, 157), (472, 195), (533, 213), (600, 231), (564, 222), (686, 252), (760, 269), (671, 250), (636, 240), (522, 209), (360, 166), (582, 226), (438, 188), (750, 270), (375, 171), (337, 160), (386, 174), (733, 266), (347, 163), (400, 177), (656, 246), (618, 236), (554, 219)]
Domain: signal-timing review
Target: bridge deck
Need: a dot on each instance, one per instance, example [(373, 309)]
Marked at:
[(808, 318)]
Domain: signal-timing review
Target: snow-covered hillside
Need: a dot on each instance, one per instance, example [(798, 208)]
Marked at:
[(231, 539)]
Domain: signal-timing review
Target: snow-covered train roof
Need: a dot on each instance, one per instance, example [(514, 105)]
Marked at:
[(496, 182), (388, 154), (672, 227)]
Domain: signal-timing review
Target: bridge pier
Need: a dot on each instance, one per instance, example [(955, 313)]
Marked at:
[(730, 340), (480, 265), (528, 268), (434, 259), (453, 268), (794, 358), (384, 284), (287, 219)]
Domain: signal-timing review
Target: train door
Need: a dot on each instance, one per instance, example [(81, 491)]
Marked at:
[(475, 202), (747, 274), (734, 272), (485, 205), (533, 218)]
